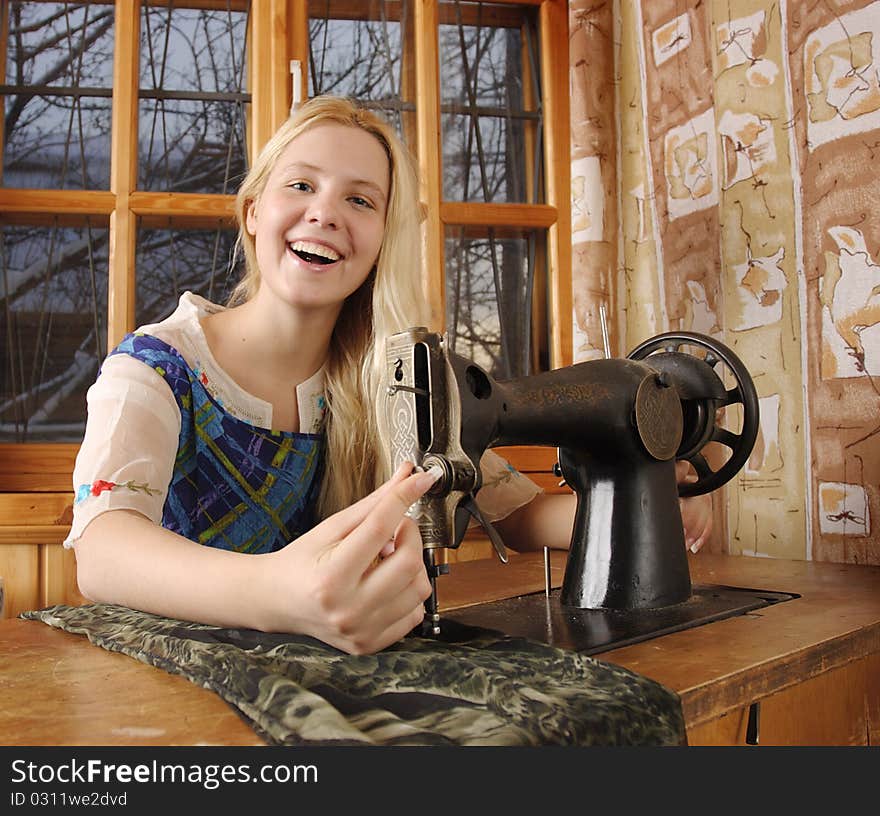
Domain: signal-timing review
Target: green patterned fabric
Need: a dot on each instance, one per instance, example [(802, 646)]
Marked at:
[(470, 687)]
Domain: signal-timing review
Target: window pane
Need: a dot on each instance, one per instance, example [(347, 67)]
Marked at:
[(56, 93), (54, 328), (489, 288), (171, 262), (490, 109), (360, 58), (192, 111)]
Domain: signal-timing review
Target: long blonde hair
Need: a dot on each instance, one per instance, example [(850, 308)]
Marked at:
[(388, 301)]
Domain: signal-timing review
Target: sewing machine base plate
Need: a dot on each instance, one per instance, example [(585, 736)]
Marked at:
[(540, 617)]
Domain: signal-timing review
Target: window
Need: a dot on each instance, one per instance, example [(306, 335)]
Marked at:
[(128, 127)]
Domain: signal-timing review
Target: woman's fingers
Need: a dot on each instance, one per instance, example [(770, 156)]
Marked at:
[(696, 515), (340, 524), (366, 540), (683, 472), (389, 600), (400, 628), (402, 570), (696, 511)]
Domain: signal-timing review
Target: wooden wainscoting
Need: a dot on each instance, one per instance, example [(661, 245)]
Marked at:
[(36, 508), (838, 707), (37, 571)]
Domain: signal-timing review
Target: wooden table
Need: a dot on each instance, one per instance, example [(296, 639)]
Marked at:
[(812, 663)]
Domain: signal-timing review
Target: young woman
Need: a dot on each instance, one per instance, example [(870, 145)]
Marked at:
[(220, 435)]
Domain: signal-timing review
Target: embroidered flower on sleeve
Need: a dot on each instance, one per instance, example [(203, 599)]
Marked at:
[(97, 487), (502, 477)]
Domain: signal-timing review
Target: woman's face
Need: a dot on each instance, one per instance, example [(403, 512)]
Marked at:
[(319, 223)]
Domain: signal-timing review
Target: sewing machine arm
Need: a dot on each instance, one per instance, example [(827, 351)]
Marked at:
[(618, 424)]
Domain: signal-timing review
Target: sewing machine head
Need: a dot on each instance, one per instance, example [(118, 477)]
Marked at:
[(619, 426)]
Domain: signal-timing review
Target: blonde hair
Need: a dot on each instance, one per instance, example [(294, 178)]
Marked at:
[(388, 301)]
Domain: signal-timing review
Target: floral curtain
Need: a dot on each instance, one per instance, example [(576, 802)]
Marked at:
[(726, 180)]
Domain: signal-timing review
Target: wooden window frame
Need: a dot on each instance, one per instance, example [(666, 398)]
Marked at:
[(278, 33)]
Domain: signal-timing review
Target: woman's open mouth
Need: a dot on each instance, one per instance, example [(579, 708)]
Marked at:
[(314, 253)]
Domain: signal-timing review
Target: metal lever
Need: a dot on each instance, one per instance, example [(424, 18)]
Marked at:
[(470, 504)]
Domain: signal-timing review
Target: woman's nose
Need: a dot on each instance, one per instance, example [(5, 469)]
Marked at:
[(322, 211)]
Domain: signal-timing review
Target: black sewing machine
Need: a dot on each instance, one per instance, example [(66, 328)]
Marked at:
[(619, 425)]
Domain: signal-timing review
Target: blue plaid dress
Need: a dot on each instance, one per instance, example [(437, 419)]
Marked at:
[(234, 486)]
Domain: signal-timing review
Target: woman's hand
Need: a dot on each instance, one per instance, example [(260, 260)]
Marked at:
[(356, 581), (696, 511)]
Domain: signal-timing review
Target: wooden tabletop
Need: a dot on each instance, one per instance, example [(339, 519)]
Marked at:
[(727, 664), (59, 689)]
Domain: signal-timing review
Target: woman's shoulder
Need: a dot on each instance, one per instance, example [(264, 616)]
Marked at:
[(182, 329), (177, 338), (167, 347)]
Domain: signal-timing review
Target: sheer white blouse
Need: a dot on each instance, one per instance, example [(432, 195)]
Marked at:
[(133, 425)]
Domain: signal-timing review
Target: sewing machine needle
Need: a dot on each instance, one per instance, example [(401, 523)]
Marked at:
[(606, 343), (431, 623), (547, 571)]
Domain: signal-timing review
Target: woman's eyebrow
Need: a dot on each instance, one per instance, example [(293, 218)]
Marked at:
[(371, 185)]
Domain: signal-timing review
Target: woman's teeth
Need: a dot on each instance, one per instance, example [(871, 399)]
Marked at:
[(314, 253)]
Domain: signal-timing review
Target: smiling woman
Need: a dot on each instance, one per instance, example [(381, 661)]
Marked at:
[(254, 426)]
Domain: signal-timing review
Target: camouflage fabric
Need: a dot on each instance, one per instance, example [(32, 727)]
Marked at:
[(470, 687)]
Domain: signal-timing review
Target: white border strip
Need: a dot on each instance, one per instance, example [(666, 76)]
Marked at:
[(650, 195), (797, 201)]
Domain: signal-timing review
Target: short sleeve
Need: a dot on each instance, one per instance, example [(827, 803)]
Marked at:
[(504, 488), (130, 443)]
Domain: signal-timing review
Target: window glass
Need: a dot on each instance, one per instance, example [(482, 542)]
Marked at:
[(490, 281), (192, 109), (191, 131), (53, 325), (490, 125), (358, 53), (56, 90), (170, 262)]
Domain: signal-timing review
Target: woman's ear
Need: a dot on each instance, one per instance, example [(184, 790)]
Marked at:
[(250, 220)]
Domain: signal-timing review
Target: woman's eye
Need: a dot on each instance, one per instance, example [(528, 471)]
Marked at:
[(361, 202), (303, 186)]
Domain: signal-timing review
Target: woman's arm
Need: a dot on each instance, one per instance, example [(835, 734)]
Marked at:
[(356, 581), (125, 558), (547, 520)]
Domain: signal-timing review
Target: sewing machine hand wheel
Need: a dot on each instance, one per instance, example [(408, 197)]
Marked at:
[(703, 394)]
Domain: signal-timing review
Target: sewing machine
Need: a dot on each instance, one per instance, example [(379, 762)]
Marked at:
[(618, 424)]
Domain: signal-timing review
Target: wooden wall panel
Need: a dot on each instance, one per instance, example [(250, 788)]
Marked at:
[(36, 467), (36, 569), (829, 709), (727, 730), (872, 674), (58, 577), (19, 567), (840, 707)]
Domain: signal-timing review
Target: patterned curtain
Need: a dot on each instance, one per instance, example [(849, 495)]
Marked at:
[(725, 180)]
